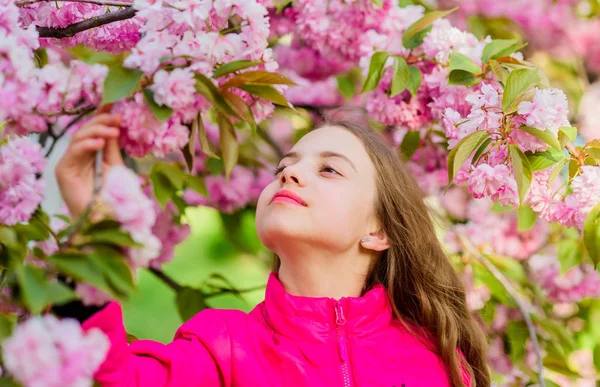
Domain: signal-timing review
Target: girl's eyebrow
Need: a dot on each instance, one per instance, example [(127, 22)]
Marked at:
[(324, 154)]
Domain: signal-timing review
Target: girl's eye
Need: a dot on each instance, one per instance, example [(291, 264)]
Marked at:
[(328, 169), (278, 170)]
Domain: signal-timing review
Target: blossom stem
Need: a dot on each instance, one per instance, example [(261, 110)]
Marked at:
[(93, 22), (170, 282), (269, 140), (524, 308), (56, 138), (23, 3)]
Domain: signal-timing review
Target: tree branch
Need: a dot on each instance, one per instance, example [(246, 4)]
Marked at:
[(23, 3), (97, 21), (55, 138), (523, 307), (170, 282), (269, 140)]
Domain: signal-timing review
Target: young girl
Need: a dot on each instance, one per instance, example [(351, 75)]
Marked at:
[(363, 294)]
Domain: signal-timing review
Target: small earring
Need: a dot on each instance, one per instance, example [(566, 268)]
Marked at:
[(365, 239)]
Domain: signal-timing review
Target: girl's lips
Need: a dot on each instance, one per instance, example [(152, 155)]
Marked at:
[(286, 196)]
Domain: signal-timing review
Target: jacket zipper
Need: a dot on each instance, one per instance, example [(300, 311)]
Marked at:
[(340, 321)]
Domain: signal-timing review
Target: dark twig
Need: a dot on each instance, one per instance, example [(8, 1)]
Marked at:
[(79, 110), (170, 282), (23, 3), (97, 21), (56, 138), (269, 140)]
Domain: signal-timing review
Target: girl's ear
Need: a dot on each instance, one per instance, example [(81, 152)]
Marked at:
[(376, 241)]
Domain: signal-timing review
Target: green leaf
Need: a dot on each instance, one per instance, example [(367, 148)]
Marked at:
[(461, 152), (229, 144), (40, 57), (500, 72), (81, 268), (267, 92), (517, 83), (280, 5), (591, 234), (480, 150), (234, 66), (89, 56), (215, 166), (242, 109), (526, 218), (161, 112), (497, 48), (597, 357), (120, 82), (59, 293), (346, 85), (401, 76), (113, 236), (498, 290), (414, 80), (570, 131), (462, 77), (7, 324), (460, 61), (569, 254), (415, 33), (375, 71), (545, 135), (557, 169), (258, 77), (545, 159), (6, 381), (115, 270), (378, 3), (34, 230), (556, 329), (410, 144), (207, 88), (204, 144), (189, 149), (517, 336), (32, 283), (558, 363), (189, 302), (573, 168), (522, 170), (197, 184)]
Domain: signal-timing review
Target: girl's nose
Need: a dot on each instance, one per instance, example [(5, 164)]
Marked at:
[(291, 175)]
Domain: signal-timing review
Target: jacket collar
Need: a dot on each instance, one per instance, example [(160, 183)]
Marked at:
[(314, 318)]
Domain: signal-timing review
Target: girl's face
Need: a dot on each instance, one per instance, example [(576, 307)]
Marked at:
[(323, 194)]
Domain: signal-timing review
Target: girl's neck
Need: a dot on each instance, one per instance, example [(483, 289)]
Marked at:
[(325, 275)]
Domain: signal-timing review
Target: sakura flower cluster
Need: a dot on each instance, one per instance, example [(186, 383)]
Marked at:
[(32, 98), (45, 351), (495, 232), (576, 284), (230, 195), (569, 210), (123, 194), (21, 187)]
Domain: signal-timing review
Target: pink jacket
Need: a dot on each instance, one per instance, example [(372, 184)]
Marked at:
[(285, 341)]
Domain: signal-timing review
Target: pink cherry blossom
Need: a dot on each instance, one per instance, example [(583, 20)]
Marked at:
[(136, 213), (46, 351), (175, 89), (20, 190), (548, 110), (577, 283)]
